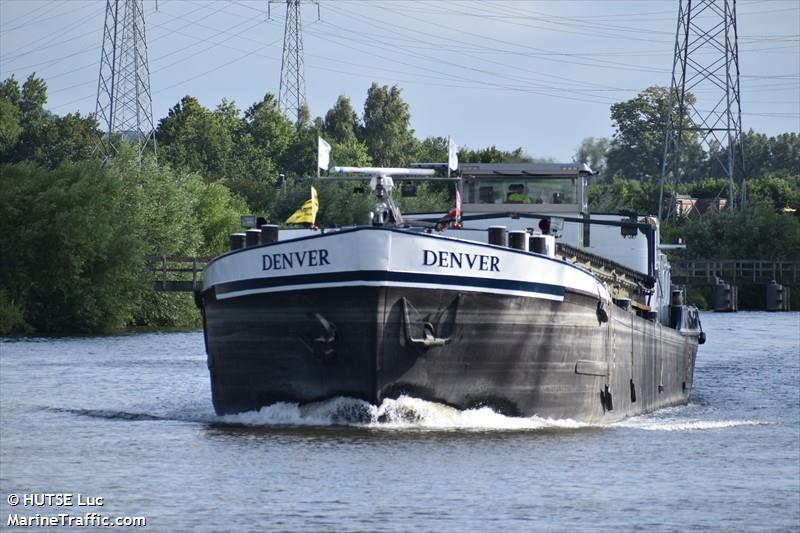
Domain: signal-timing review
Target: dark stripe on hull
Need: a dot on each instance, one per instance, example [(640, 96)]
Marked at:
[(388, 276), (515, 354)]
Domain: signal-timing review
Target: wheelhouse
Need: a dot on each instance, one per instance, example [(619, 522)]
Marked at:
[(525, 187)]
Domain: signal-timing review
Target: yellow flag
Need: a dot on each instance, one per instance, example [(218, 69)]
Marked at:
[(307, 213)]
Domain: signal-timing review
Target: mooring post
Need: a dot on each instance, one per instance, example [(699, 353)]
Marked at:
[(776, 297), (724, 297)]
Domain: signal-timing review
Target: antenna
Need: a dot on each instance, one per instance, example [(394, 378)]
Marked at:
[(705, 64), (292, 92), (124, 107)]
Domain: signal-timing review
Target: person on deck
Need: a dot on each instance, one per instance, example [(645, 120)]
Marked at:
[(517, 195)]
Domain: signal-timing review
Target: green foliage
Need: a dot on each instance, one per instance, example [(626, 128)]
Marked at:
[(10, 127), (194, 138), (300, 156), (756, 231), (430, 198), (637, 149), (74, 235), (12, 318), (433, 150), (74, 240), (173, 213), (778, 192), (216, 211), (616, 194), (68, 252), (339, 205), (166, 310), (592, 152), (493, 155), (352, 153), (386, 133), (159, 205), (270, 131), (29, 133), (341, 123), (763, 155), (785, 150), (705, 188)]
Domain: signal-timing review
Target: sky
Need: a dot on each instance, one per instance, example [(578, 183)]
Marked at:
[(540, 75)]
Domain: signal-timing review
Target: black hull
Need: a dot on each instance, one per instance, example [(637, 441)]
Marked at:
[(519, 355)]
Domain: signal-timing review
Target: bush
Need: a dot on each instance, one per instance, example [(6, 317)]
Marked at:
[(11, 319), (69, 259), (74, 241)]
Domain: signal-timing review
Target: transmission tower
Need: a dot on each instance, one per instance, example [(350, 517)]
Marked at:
[(124, 107), (705, 65), (292, 92)]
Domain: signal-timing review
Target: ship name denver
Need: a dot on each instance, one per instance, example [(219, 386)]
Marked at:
[(460, 260), (307, 258)]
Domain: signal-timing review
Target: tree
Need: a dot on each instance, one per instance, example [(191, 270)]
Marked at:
[(617, 193), (268, 128), (493, 155), (195, 139), (68, 138), (755, 230), (775, 191), (592, 151), (10, 128), (785, 150), (636, 150), (386, 132), (705, 188), (434, 150), (28, 132), (300, 156), (33, 120), (70, 262), (353, 153), (10, 117), (341, 123)]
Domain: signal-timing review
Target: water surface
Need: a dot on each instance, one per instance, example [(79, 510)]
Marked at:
[(129, 419)]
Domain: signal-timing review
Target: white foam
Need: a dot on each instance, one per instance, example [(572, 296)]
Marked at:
[(649, 424), (404, 412)]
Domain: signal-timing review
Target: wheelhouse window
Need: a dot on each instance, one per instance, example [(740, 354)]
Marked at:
[(517, 190)]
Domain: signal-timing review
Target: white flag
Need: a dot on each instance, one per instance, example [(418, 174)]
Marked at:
[(452, 154), (323, 153)]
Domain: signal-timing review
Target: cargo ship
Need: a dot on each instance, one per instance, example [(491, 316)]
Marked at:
[(519, 300)]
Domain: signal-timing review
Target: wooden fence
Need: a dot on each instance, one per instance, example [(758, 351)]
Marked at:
[(736, 271), (176, 273)]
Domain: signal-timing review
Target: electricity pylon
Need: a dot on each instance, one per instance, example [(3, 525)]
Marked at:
[(705, 65), (124, 107), (292, 91)]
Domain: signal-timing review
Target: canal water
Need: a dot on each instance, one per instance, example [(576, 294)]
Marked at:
[(124, 426)]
